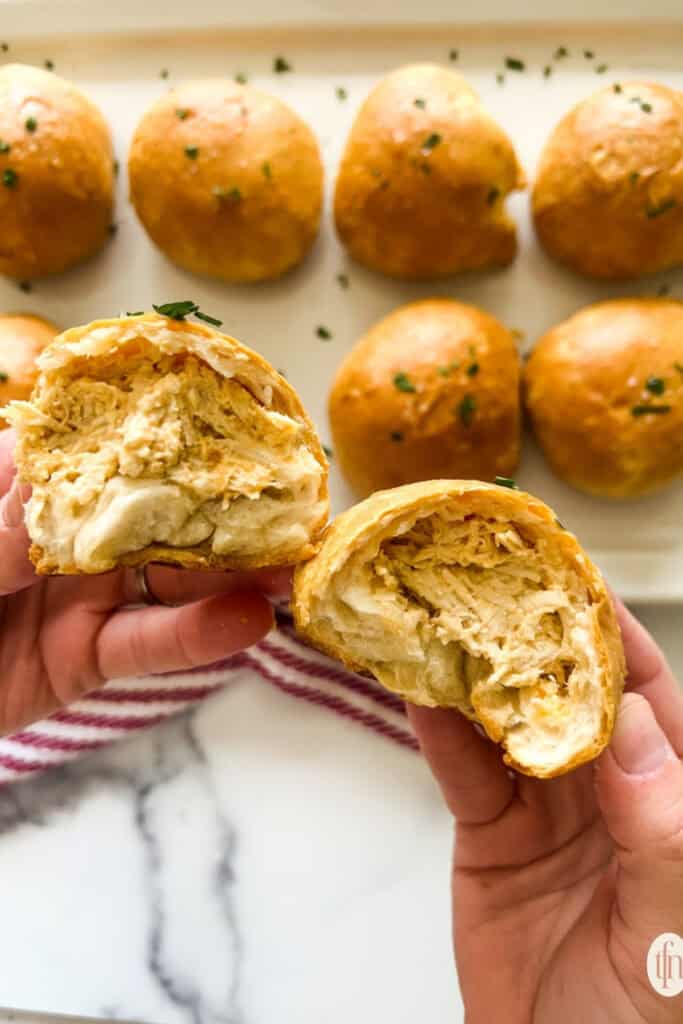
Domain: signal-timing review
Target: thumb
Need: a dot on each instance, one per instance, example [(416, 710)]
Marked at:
[(640, 790), (16, 571)]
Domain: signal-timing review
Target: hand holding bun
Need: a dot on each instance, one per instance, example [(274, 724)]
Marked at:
[(423, 179), (432, 390), (608, 199), (227, 180), (604, 391), (472, 596), (22, 339), (155, 440), (56, 174)]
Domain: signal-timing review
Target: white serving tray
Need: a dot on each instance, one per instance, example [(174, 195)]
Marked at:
[(116, 53)]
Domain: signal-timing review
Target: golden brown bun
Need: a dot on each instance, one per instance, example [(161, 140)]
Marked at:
[(245, 204), (466, 595), (414, 209), (432, 390), (154, 440), (583, 381), (608, 199), (58, 209), (22, 338)]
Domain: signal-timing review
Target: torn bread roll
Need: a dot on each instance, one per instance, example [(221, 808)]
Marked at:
[(472, 596), (149, 439)]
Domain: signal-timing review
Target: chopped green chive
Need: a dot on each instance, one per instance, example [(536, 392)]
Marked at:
[(266, 170), (116, 167), (560, 52), (30, 124), (4, 147), (431, 142), (466, 410), (588, 54), (328, 451), (558, 523), (656, 211), (208, 319), (547, 71), (655, 385), (634, 176), (138, 312), (182, 113), (419, 102), (342, 280), (514, 64), (163, 73), (492, 195), (446, 371), (646, 410), (280, 65), (179, 310), (601, 69), (396, 435), (646, 108), (232, 194), (341, 93), (4, 377), (616, 87), (506, 481), (192, 152), (9, 177), (241, 78), (49, 64), (453, 54), (402, 382), (472, 370), (324, 333)]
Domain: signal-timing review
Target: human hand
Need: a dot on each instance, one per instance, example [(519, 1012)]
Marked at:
[(560, 886), (63, 636)]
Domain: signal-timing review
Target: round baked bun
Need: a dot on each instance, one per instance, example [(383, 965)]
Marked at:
[(608, 199), (423, 180), (227, 180), (22, 339), (604, 392), (149, 439), (467, 595), (56, 174), (432, 390)]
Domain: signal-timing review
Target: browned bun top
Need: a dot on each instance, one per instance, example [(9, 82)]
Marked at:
[(56, 174), (432, 390), (604, 390), (227, 180), (22, 338), (608, 198), (423, 178)]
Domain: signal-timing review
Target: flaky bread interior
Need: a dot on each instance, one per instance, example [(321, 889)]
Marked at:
[(149, 439), (472, 596)]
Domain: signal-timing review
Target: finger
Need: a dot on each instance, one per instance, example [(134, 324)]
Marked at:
[(468, 767), (8, 470), (640, 790), (181, 586), (16, 571), (153, 640), (649, 674)]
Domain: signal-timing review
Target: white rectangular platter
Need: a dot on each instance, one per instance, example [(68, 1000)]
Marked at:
[(638, 544)]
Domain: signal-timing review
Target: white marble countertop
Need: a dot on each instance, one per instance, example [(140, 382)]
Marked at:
[(257, 861)]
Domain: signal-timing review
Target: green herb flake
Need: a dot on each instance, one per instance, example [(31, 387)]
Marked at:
[(163, 73), (419, 102), (176, 310), (266, 170), (431, 142), (472, 370), (116, 167), (4, 147), (50, 65), (25, 286), (138, 312), (4, 377), (647, 410), (341, 93), (9, 178), (446, 371), (560, 52), (328, 451), (208, 319), (646, 108), (656, 385), (280, 65), (241, 78), (633, 177), (30, 124), (342, 280), (617, 88), (588, 54), (402, 382), (232, 195), (192, 152), (324, 333), (514, 64), (500, 77), (466, 410), (601, 69), (506, 481), (656, 211), (492, 195), (182, 113), (547, 71), (453, 54)]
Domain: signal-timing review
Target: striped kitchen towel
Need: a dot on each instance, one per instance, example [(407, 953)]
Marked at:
[(125, 706)]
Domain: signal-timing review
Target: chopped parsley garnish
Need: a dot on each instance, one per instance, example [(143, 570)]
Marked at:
[(182, 113), (138, 312), (453, 54), (25, 286), (266, 170), (419, 102), (514, 64), (560, 52), (4, 147), (616, 87), (431, 142), (192, 152), (324, 333), (4, 377), (30, 124), (492, 195), (342, 280), (163, 73), (233, 195), (634, 176), (500, 77), (601, 69), (328, 451), (180, 310), (396, 435), (655, 385), (547, 71), (341, 93), (645, 410), (9, 177), (663, 290), (506, 481), (467, 409), (472, 370), (49, 64), (656, 211), (280, 65), (241, 78), (646, 108), (446, 371), (588, 54), (402, 382)]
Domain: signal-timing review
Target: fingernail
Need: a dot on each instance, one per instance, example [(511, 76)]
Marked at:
[(638, 744), (12, 507)]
